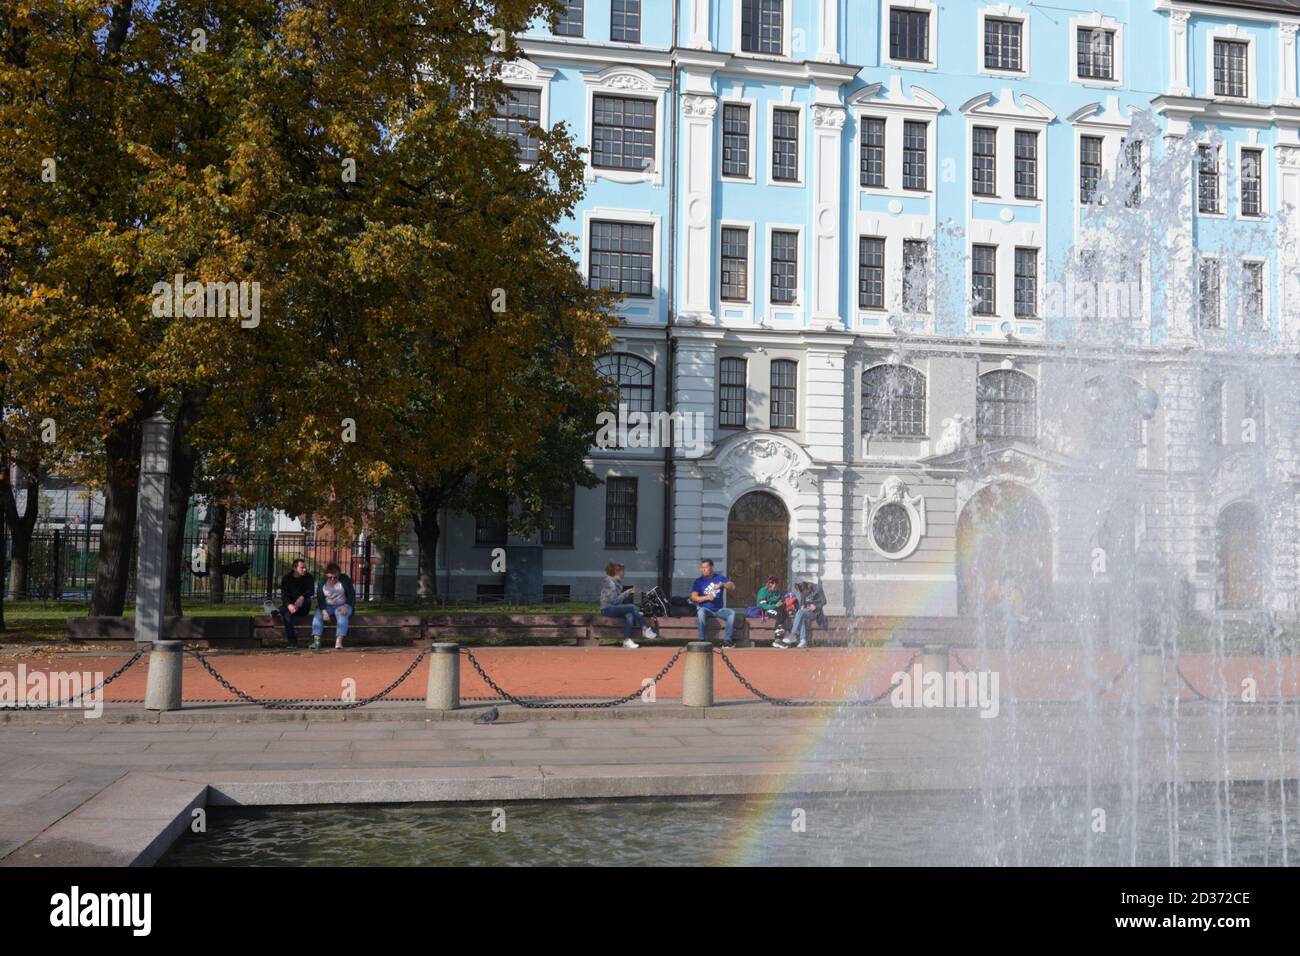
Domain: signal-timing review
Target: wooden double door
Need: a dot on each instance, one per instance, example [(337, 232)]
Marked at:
[(758, 545)]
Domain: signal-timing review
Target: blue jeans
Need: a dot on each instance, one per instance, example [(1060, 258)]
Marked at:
[(703, 613), (630, 615), (341, 622), (799, 628)]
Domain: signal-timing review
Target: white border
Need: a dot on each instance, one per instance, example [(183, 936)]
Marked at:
[(1003, 11), (932, 35), (639, 216), (1095, 21), (635, 83)]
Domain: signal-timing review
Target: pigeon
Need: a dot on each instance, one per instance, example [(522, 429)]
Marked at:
[(487, 716)]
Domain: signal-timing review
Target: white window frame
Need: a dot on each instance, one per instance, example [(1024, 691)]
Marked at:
[(641, 217), (1002, 11), (1263, 151), (801, 145), (631, 82), (1265, 315), (787, 11), (1224, 198), (1201, 328), (1095, 21), (799, 303), (525, 74), (932, 35), (749, 305), (890, 104), (723, 102), (1236, 34)]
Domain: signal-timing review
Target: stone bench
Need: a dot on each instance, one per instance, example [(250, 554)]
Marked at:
[(521, 628), (672, 630), (205, 631)]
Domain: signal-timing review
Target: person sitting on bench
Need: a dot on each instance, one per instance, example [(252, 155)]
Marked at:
[(336, 599), (295, 598), (616, 601), (707, 592)]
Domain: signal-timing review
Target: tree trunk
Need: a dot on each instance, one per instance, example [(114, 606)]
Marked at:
[(113, 571), (179, 489), (217, 554), (3, 540), (21, 527), (390, 574), (427, 532)]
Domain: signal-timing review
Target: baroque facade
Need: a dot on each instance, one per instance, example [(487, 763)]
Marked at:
[(953, 290)]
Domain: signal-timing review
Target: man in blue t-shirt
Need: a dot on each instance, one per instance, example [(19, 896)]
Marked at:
[(707, 594)]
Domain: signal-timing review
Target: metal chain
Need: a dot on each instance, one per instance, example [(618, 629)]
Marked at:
[(281, 704), (791, 702), (130, 661), (532, 704)]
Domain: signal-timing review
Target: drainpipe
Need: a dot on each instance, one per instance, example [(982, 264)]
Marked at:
[(666, 552)]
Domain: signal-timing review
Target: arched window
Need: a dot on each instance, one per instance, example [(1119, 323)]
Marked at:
[(1006, 406), (634, 376), (893, 401)]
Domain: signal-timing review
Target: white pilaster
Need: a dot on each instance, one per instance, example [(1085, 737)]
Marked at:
[(1288, 205), (698, 112), (1180, 278), (1178, 77), (1287, 68), (700, 25), (824, 268), (829, 31)]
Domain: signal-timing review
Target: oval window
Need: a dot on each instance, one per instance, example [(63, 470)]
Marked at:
[(891, 527)]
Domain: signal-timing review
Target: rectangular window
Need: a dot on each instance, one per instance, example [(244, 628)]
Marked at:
[(1252, 182), (555, 594), (625, 21), (1089, 167), (915, 148), (557, 517), (623, 133), (916, 275), (785, 145), (620, 512), (732, 398), (1208, 299), (1207, 179), (622, 258), (518, 113), (1002, 44), (785, 266), (735, 265), (983, 279), (1095, 54), (872, 160), (784, 383), (983, 161), (1252, 296), (1026, 164), (1230, 59), (761, 26), (490, 525), (570, 22), (871, 273), (735, 140), (909, 35), (1026, 283)]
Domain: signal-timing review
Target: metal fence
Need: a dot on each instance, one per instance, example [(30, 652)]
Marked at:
[(62, 564)]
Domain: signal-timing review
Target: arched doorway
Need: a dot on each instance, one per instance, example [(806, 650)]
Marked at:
[(758, 544), (1004, 550), (1241, 557)]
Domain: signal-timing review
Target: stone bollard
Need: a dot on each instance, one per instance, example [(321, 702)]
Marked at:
[(697, 682), (934, 660), (1151, 681), (444, 678), (163, 687)]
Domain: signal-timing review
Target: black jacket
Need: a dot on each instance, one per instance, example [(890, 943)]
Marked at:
[(292, 588)]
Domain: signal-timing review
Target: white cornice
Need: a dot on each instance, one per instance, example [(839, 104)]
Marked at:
[(1029, 108), (1224, 11), (880, 96)]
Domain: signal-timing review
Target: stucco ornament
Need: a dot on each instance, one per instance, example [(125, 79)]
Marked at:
[(763, 461), (958, 433), (894, 520)]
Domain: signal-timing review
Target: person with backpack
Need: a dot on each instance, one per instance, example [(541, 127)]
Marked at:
[(812, 607), (772, 604)]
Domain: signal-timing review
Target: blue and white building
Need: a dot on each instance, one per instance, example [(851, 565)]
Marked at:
[(856, 239)]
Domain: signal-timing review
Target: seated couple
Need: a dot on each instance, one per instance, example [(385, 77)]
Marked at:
[(806, 603), (336, 599)]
